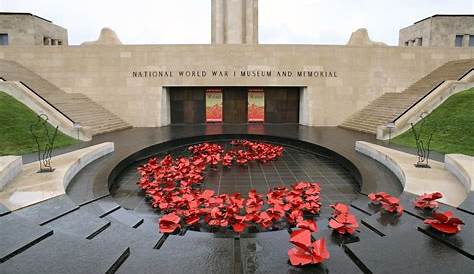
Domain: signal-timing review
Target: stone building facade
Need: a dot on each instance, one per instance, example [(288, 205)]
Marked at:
[(26, 29), (440, 31)]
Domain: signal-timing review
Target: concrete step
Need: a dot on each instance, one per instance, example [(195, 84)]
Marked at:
[(18, 234), (390, 105), (62, 253), (80, 223), (77, 106)]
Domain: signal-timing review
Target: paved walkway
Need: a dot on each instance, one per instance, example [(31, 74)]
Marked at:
[(418, 180)]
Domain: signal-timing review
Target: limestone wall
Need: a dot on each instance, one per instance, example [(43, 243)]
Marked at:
[(27, 29), (439, 31), (105, 73)]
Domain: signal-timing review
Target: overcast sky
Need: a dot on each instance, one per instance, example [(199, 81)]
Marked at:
[(280, 21)]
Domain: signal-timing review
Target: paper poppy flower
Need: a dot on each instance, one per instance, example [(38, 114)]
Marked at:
[(342, 220), (307, 252), (308, 224), (344, 223), (389, 203), (339, 208), (392, 204), (428, 201), (376, 198), (445, 222), (169, 223)]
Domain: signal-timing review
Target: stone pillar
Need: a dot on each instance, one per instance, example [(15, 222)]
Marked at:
[(465, 41), (234, 21)]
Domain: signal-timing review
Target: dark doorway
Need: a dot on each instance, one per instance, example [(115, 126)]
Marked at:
[(235, 105), (188, 104), (282, 105)]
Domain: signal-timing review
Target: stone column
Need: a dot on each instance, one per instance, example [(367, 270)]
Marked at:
[(465, 41), (234, 21)]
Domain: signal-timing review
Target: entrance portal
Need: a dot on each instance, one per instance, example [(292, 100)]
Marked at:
[(234, 105)]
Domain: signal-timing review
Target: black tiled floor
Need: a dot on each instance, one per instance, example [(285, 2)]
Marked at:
[(410, 253), (48, 210), (79, 223), (61, 254), (194, 252), (267, 253), (17, 234)]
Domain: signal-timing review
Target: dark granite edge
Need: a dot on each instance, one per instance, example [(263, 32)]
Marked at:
[(26, 246), (427, 231)]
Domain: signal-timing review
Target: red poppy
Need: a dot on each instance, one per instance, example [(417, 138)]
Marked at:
[(376, 198), (169, 223), (339, 208), (389, 203), (392, 204), (308, 224), (295, 216), (445, 222), (344, 223), (239, 224), (307, 252), (427, 201)]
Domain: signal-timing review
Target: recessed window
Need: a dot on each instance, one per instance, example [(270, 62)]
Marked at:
[(60, 43), (420, 41), (406, 44), (46, 41), (458, 41), (4, 39), (471, 40)]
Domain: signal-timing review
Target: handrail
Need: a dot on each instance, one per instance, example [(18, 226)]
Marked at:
[(424, 96), (47, 102), (419, 100)]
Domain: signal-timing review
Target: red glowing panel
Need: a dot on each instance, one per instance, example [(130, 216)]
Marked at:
[(256, 105), (213, 105)]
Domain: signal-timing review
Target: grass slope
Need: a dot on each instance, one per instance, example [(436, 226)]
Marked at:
[(15, 121), (452, 124)]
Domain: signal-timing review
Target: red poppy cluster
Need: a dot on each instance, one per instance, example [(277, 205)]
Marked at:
[(428, 201), (445, 222), (306, 251), (389, 203), (170, 185), (342, 220)]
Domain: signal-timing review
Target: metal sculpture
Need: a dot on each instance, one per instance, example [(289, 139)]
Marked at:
[(422, 149), (44, 142)]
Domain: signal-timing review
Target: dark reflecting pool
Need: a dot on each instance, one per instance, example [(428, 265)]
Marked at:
[(296, 164)]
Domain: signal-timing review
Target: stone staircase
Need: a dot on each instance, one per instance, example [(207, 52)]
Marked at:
[(389, 106), (76, 106)]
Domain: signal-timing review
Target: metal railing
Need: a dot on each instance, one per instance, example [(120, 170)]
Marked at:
[(47, 102)]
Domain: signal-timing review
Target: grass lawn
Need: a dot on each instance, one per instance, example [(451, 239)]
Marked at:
[(15, 121), (452, 124)]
